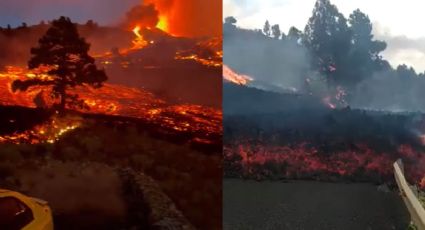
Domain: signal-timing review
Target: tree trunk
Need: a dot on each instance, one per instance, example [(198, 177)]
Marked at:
[(63, 101)]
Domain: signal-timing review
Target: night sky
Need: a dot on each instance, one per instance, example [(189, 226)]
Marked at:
[(105, 12)]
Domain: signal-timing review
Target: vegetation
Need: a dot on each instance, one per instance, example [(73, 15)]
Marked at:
[(412, 226), (65, 54), (192, 179), (336, 50)]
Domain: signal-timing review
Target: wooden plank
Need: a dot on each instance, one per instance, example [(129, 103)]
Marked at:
[(416, 210)]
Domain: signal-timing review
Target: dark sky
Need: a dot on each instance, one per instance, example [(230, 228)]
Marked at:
[(105, 12)]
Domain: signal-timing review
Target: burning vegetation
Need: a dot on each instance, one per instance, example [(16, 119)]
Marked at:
[(232, 76), (148, 28), (202, 122), (328, 144), (341, 121), (144, 95)]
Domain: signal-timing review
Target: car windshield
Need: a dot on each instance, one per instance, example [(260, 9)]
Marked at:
[(14, 214)]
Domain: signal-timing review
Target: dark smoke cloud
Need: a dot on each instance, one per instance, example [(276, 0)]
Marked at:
[(143, 15)]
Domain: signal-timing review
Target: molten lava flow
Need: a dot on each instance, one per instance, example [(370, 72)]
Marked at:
[(203, 122), (139, 42), (162, 23), (306, 162), (232, 76), (208, 52), (48, 132)]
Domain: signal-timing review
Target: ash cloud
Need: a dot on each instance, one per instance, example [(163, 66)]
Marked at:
[(142, 15)]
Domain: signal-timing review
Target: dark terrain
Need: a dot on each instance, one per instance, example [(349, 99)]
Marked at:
[(74, 172), (304, 205)]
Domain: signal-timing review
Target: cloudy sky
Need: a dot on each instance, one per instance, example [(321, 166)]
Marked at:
[(398, 22), (105, 12)]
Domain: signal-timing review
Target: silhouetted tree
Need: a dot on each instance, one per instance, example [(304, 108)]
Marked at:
[(66, 54), (230, 20), (91, 24), (229, 24), (266, 28), (294, 34), (328, 37), (365, 52), (403, 71), (276, 31)]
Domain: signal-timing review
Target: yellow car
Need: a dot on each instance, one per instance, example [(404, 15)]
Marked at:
[(18, 212)]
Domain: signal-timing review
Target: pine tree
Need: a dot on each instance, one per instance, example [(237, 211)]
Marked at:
[(66, 54), (266, 28)]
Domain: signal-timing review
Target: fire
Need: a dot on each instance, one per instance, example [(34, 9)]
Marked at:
[(207, 52), (176, 14), (306, 162), (234, 77), (337, 99), (203, 122), (162, 23), (328, 102), (48, 132), (139, 42)]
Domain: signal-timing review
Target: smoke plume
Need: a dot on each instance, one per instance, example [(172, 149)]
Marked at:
[(190, 18), (142, 15)]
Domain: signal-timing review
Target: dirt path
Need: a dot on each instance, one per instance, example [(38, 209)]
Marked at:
[(310, 205)]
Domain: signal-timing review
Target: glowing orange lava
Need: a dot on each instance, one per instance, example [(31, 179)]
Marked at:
[(305, 162), (203, 122), (139, 42), (162, 23), (232, 76)]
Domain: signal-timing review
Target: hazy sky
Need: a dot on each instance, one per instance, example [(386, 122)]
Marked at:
[(105, 12), (398, 22)]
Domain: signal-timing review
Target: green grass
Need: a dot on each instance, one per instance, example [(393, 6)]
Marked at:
[(412, 226)]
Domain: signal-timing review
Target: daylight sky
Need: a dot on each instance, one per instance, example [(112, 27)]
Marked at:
[(398, 22)]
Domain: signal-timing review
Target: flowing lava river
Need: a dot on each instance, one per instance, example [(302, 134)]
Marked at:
[(255, 160), (261, 149), (202, 123)]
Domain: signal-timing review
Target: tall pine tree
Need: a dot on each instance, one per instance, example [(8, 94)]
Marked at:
[(66, 54)]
